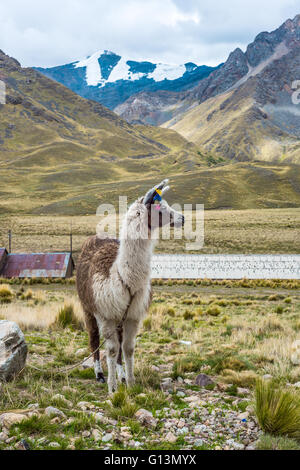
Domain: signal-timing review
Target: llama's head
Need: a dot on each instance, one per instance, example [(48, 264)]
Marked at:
[(150, 213)]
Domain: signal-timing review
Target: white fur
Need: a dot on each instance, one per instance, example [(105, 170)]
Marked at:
[(111, 295)]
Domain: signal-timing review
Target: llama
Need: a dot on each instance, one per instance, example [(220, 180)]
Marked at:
[(113, 282)]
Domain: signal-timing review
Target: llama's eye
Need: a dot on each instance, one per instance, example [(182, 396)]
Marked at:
[(138, 213)]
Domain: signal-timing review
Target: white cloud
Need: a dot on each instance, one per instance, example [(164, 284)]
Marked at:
[(53, 32)]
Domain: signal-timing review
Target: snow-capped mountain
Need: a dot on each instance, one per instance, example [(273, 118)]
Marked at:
[(111, 79)]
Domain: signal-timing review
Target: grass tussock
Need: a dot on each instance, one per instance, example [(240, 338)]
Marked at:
[(6, 294), (277, 409), (66, 318)]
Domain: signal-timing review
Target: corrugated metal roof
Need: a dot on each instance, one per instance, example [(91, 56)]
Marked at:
[(37, 265)]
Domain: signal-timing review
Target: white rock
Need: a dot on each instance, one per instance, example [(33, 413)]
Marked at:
[(96, 435), (81, 352), (107, 437), (244, 415), (267, 377), (238, 446), (9, 419), (52, 411), (13, 350), (88, 363), (170, 437), (297, 385), (55, 445), (59, 397), (33, 406)]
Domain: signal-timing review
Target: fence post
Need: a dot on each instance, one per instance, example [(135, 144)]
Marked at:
[(9, 241)]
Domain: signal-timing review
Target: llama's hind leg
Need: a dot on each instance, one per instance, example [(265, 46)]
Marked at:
[(120, 369), (94, 340), (130, 330)]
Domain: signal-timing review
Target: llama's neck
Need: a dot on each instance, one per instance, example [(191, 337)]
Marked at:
[(134, 262)]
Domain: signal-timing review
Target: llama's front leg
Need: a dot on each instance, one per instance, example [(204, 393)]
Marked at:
[(112, 348), (130, 330), (94, 339)]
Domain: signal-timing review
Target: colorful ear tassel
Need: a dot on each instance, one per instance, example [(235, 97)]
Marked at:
[(158, 194)]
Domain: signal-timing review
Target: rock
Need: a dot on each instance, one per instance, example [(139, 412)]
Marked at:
[(96, 435), (242, 391), (267, 377), (250, 447), (297, 385), (23, 445), (183, 430), (81, 352), (13, 350), (88, 363), (51, 411), (180, 380), (33, 406), (146, 418), (3, 436), (238, 446), (68, 389), (107, 437), (244, 415), (85, 405), (180, 394), (198, 443), (203, 380), (54, 445), (155, 368), (9, 419), (86, 434), (61, 398)]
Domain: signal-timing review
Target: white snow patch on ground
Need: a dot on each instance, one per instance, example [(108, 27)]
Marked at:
[(93, 71), (121, 71), (167, 71)]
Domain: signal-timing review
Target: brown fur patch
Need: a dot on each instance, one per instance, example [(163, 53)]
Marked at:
[(97, 256)]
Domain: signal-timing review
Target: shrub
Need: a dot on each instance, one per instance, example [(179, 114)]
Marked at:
[(288, 300), (171, 312), (188, 315), (66, 317), (279, 309), (267, 442), (6, 294), (214, 311), (147, 324), (277, 410)]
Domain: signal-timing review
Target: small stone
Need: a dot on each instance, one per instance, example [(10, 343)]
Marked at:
[(85, 405), (203, 380), (86, 434), (81, 352), (61, 398), (181, 423), (250, 447), (68, 389), (146, 418), (54, 445), (180, 394), (71, 447), (297, 385), (267, 377), (96, 435), (198, 443), (183, 430), (51, 411), (88, 363), (107, 437), (244, 415), (155, 368), (180, 380), (242, 391), (33, 406), (170, 437), (238, 446), (3, 436), (55, 420)]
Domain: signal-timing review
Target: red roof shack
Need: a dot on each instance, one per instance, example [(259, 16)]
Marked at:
[(47, 265)]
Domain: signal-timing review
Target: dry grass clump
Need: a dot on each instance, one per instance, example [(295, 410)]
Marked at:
[(277, 410), (214, 311), (244, 378), (67, 317), (6, 294)]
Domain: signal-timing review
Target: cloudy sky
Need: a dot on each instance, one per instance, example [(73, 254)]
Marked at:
[(54, 32)]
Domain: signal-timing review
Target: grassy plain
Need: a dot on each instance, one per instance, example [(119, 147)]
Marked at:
[(236, 335), (248, 231)]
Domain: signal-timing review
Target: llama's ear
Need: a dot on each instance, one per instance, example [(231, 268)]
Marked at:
[(157, 190)]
